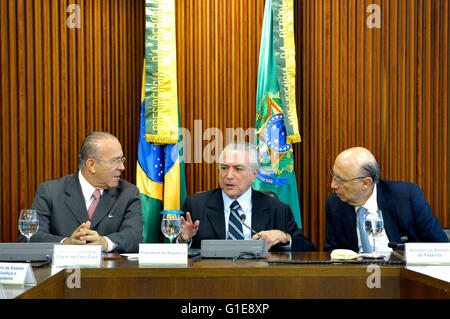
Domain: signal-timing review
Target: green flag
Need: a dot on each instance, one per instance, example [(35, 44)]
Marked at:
[(276, 120)]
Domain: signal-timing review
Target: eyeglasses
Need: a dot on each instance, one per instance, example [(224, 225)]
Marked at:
[(341, 181), (113, 161)]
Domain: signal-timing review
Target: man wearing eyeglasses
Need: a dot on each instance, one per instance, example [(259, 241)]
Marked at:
[(94, 205), (359, 190)]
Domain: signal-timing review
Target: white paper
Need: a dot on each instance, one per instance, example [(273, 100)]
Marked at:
[(17, 274), (2, 293), (427, 253), (163, 254), (77, 255), (133, 256)]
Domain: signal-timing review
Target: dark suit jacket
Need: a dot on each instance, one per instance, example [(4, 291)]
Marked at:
[(405, 210), (62, 209), (267, 213)]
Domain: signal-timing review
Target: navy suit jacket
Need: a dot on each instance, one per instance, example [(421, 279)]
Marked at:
[(405, 210), (267, 213)]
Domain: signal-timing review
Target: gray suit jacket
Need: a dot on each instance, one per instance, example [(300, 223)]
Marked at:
[(62, 209)]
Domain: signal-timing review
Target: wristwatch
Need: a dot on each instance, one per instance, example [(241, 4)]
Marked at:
[(288, 240)]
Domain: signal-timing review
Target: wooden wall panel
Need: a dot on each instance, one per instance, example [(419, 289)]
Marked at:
[(60, 83), (217, 55), (385, 89)]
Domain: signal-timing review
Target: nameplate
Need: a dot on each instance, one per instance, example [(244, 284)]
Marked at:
[(77, 255), (16, 274), (2, 293), (163, 254), (427, 253)]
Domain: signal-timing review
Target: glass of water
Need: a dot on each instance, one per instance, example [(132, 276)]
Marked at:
[(373, 225), (28, 223), (171, 224)]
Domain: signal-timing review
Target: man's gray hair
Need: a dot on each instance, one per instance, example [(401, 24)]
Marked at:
[(243, 146), (90, 145), (372, 169)]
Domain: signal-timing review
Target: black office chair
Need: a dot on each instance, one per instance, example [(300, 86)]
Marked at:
[(447, 232), (270, 193)]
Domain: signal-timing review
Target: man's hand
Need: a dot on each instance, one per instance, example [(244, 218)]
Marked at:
[(93, 238), (188, 228), (273, 237), (83, 235), (75, 238)]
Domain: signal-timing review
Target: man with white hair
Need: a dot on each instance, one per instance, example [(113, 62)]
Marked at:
[(220, 213), (359, 190)]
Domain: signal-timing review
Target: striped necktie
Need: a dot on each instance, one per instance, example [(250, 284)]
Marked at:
[(234, 224)]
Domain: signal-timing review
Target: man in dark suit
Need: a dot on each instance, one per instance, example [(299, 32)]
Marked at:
[(271, 219), (356, 181), (70, 212)]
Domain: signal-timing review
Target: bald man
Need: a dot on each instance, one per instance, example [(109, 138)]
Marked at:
[(64, 205), (357, 184)]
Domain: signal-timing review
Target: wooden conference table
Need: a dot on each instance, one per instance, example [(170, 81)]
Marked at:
[(243, 279)]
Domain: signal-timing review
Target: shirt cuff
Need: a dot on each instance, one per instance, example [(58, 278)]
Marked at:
[(288, 246), (111, 245), (188, 243)]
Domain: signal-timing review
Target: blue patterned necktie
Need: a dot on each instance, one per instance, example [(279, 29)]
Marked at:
[(367, 248), (234, 224)]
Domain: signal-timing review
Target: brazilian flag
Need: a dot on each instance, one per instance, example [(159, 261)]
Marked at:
[(276, 123), (160, 175)]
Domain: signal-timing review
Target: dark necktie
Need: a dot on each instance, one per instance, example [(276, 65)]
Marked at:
[(234, 224)]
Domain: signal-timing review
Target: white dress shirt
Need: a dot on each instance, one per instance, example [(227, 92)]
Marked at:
[(245, 203), (381, 241)]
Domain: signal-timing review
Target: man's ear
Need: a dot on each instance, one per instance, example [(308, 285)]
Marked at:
[(255, 173), (90, 165), (367, 182)]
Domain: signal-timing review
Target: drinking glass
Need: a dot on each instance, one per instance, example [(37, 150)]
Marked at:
[(171, 224), (373, 225), (28, 223)]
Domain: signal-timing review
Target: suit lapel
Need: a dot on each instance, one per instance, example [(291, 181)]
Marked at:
[(349, 225), (388, 209), (215, 214), (107, 199), (74, 199), (260, 213)]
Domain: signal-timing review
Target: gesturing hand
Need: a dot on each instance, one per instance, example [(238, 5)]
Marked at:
[(188, 228)]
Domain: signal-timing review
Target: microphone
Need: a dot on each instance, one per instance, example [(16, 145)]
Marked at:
[(395, 245), (242, 217), (401, 245)]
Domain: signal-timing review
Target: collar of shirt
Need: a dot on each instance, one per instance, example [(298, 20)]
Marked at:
[(87, 189), (371, 204), (245, 203), (381, 241)]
